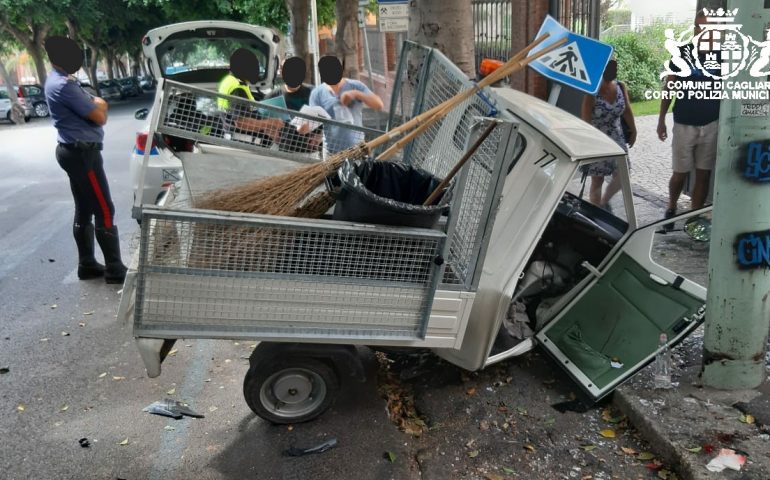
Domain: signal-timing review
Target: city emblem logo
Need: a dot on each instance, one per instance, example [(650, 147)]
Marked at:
[(719, 51)]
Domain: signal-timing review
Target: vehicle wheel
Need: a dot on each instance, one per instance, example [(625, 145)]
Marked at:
[(290, 390), (41, 109)]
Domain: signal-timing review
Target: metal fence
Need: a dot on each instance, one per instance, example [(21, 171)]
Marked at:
[(492, 29), (580, 16), (424, 79), (210, 275), (213, 118)]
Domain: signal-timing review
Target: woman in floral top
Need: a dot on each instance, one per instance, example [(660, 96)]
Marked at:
[(604, 112)]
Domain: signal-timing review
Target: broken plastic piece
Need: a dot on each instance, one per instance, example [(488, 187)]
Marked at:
[(298, 452), (726, 458), (171, 408), (84, 442), (4, 369)]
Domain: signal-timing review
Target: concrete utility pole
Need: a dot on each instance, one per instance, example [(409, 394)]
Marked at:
[(738, 305)]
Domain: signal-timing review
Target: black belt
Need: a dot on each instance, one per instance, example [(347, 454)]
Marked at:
[(82, 145)]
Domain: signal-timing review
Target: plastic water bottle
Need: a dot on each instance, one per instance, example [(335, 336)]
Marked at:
[(661, 369)]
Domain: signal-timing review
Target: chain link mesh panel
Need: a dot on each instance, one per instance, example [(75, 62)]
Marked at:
[(210, 117), (205, 274), (426, 79)]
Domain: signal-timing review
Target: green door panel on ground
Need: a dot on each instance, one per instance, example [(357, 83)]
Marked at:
[(619, 318)]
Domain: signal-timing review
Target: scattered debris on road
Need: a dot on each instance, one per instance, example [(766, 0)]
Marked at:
[(171, 408), (84, 442), (727, 458), (320, 448)]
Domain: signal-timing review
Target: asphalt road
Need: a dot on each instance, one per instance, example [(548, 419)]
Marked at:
[(74, 371)]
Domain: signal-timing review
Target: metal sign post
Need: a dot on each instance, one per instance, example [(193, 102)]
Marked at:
[(314, 42)]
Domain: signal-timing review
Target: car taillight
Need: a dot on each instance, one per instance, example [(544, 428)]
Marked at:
[(141, 141)]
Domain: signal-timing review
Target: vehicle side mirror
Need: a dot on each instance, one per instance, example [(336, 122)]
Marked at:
[(142, 113)]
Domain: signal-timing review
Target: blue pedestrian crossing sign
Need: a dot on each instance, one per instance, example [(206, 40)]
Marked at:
[(578, 63)]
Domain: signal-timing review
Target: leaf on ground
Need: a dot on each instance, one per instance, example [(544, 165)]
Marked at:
[(663, 473), (171, 392), (653, 465), (493, 476), (694, 449), (172, 352), (88, 313), (473, 453), (646, 456), (629, 451), (103, 375), (471, 391), (484, 425), (213, 409), (549, 421), (522, 411), (64, 408), (588, 448), (747, 419), (20, 407), (529, 447), (124, 442), (117, 379), (390, 456), (509, 471), (169, 428), (607, 433)]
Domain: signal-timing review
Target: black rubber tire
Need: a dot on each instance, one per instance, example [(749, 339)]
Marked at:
[(262, 371), (41, 107)]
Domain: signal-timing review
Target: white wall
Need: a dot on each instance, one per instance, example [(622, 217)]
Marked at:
[(678, 10)]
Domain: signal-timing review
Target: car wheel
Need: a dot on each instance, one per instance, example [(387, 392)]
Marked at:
[(285, 389), (41, 109)]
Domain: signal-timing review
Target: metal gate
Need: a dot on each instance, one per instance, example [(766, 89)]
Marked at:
[(492, 29), (580, 16)]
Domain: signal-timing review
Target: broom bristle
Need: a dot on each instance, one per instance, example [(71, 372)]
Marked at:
[(283, 194)]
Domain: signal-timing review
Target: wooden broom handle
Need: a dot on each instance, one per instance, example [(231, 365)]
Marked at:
[(511, 66), (408, 137), (441, 186)]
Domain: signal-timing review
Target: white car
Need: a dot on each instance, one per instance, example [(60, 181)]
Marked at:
[(5, 106), (195, 53)]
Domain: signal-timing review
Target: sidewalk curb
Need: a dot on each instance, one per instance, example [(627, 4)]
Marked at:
[(654, 433)]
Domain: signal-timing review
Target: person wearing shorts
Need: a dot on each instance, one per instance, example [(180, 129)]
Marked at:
[(694, 142)]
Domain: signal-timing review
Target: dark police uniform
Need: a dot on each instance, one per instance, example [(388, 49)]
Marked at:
[(79, 154)]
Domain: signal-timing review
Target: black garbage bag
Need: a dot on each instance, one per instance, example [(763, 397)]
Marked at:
[(387, 193)]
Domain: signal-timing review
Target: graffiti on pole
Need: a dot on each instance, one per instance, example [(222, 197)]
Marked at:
[(752, 250), (755, 163)]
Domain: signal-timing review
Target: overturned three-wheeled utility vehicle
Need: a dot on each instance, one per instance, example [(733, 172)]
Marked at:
[(520, 258)]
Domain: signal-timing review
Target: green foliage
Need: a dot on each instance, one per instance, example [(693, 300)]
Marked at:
[(641, 56), (617, 17)]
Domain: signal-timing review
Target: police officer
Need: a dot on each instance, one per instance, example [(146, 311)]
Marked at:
[(78, 118), (244, 69)]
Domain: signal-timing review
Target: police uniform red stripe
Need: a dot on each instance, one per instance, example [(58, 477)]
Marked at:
[(100, 198)]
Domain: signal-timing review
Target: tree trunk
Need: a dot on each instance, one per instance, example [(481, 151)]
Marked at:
[(17, 111), (446, 25), (299, 10), (110, 65), (91, 70), (136, 64), (346, 39), (121, 66)]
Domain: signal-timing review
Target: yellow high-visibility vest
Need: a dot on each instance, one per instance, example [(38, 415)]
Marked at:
[(229, 85)]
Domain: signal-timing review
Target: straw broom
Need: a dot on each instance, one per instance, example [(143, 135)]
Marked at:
[(283, 195)]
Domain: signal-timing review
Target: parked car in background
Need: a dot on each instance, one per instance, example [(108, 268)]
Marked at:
[(88, 89), (147, 83), (5, 106), (34, 98), (129, 86), (110, 90)]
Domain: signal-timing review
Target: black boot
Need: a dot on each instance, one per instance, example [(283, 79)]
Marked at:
[(110, 243), (88, 267)]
